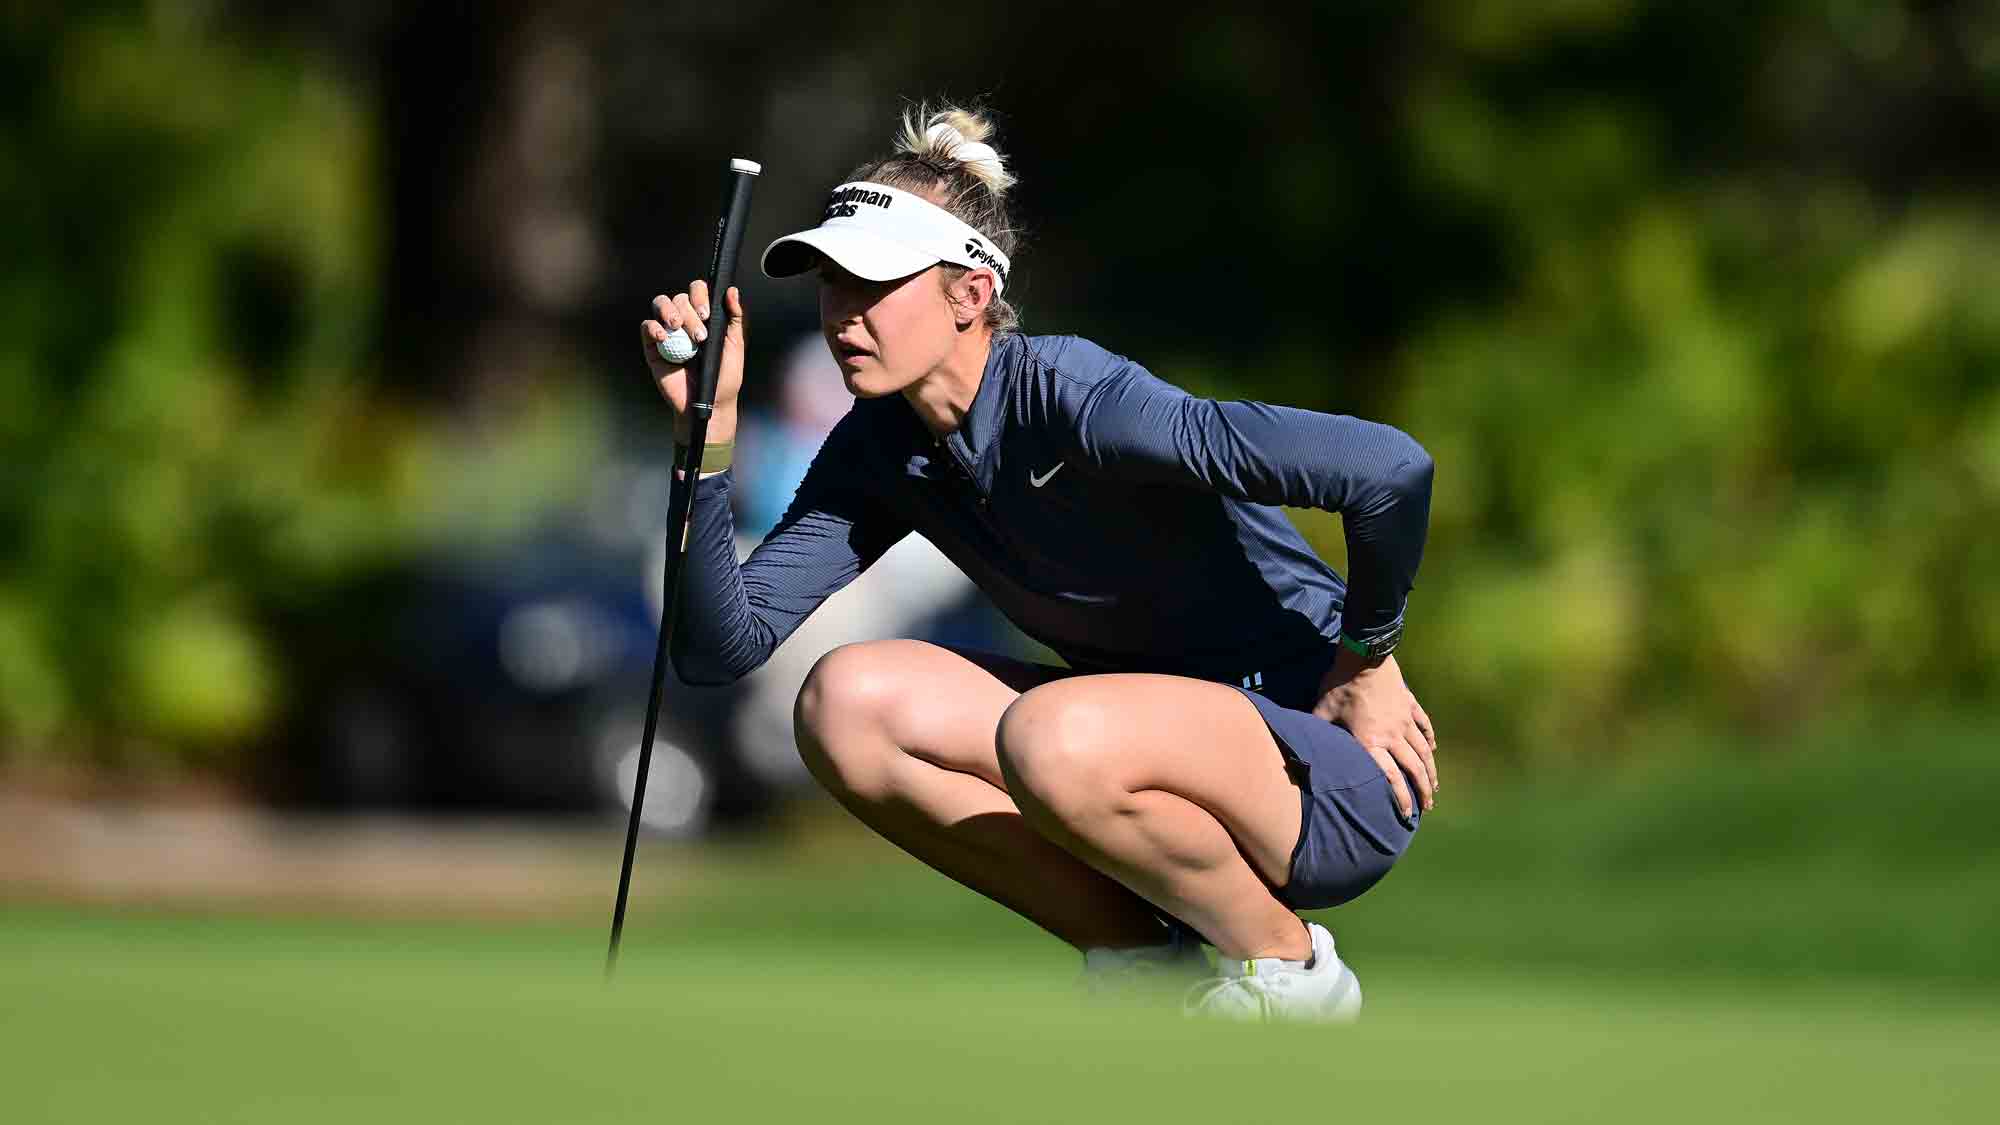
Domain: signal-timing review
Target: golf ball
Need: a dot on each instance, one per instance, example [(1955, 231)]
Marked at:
[(678, 347)]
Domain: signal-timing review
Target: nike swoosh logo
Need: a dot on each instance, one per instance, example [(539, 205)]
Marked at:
[(1039, 481)]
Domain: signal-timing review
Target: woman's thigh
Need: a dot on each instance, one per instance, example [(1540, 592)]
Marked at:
[(935, 704), (1201, 741)]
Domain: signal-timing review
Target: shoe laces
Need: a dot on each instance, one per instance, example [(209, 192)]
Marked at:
[(1241, 990)]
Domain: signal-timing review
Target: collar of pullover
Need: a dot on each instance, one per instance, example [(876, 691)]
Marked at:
[(974, 435)]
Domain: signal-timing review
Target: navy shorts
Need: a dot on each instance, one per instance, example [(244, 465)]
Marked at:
[(1351, 832)]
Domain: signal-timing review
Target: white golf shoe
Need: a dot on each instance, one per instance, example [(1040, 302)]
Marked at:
[(1270, 989)]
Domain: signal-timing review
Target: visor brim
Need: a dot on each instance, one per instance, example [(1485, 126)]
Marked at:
[(865, 255)]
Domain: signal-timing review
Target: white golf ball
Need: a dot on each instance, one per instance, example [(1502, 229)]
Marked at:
[(678, 347)]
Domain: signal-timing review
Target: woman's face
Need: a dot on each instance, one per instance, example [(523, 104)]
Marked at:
[(885, 334)]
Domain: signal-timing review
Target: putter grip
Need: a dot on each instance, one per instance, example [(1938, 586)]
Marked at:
[(721, 275)]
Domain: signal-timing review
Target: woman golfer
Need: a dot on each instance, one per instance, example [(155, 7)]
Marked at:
[(1231, 741)]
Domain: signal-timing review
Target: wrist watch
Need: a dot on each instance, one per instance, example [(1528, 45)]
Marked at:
[(1377, 649)]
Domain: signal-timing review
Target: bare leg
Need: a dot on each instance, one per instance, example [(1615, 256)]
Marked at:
[(902, 734), (1172, 786)]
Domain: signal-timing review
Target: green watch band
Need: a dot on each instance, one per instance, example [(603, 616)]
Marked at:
[(1377, 649), (715, 457)]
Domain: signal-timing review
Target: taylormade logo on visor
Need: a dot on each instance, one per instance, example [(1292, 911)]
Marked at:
[(976, 250)]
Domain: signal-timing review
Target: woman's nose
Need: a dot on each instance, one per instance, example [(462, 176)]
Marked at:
[(833, 307)]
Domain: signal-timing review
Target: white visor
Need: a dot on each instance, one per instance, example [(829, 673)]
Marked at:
[(880, 233)]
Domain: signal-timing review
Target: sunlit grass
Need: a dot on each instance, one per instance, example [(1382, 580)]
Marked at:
[(230, 1019), (1792, 941)]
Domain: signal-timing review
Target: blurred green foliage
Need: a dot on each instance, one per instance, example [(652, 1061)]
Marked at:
[(1697, 305), (1727, 459), (1721, 452), (194, 439)]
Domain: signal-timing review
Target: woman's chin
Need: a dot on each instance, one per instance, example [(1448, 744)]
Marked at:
[(861, 385)]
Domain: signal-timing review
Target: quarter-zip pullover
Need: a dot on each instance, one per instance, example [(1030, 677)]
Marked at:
[(1117, 519)]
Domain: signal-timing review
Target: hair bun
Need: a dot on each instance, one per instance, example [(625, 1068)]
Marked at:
[(943, 137), (954, 135)]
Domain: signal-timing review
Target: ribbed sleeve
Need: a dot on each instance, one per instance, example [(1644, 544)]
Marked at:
[(1378, 478), (734, 616)]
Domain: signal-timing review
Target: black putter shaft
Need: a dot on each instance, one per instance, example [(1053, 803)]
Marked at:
[(701, 404)]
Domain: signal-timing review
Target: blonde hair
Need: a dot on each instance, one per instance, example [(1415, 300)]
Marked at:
[(942, 154)]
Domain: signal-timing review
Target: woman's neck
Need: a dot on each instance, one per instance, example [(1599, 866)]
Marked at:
[(944, 396)]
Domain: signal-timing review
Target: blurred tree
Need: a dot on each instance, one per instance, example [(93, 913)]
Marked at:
[(1694, 302), (1697, 304), (188, 333), (189, 283), (1719, 447)]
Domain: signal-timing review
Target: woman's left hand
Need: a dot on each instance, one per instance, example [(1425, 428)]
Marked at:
[(1373, 703)]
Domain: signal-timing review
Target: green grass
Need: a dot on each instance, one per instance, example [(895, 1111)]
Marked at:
[(109, 1017), (1836, 857), (1820, 862), (1807, 937)]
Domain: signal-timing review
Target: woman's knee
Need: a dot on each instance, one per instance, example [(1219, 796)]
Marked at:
[(842, 716), (1056, 746), (850, 685)]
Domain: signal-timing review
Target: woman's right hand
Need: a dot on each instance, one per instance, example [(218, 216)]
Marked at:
[(1376, 707), (690, 311)]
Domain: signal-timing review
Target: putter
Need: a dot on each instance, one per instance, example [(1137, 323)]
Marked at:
[(701, 403)]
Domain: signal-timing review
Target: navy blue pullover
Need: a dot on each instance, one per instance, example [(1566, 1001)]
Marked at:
[(1117, 519)]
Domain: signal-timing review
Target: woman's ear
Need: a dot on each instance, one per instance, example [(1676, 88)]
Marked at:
[(970, 296)]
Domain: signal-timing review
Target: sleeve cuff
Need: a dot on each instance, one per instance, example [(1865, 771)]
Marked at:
[(1373, 643), (707, 486)]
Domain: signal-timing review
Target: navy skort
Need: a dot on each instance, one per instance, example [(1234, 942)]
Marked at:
[(1350, 832)]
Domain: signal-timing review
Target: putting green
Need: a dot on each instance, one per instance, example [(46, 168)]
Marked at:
[(110, 1017)]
